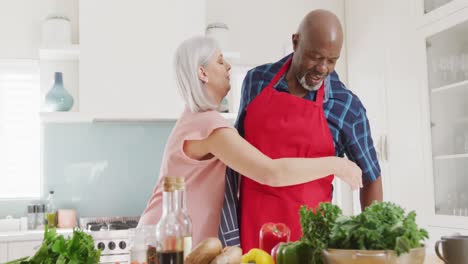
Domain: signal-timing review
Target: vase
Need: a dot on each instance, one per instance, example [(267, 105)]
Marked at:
[(58, 99)]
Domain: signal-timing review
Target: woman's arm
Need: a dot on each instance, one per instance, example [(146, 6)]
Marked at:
[(237, 153)]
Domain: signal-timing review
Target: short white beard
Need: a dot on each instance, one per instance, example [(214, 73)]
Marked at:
[(309, 88)]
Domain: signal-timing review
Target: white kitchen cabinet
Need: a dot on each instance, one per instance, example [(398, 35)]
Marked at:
[(21, 249), (3, 252), (126, 55), (408, 67), (445, 96), (367, 51), (383, 70), (430, 11)]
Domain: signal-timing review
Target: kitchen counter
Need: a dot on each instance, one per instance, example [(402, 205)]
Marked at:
[(36, 235), (29, 235), (432, 259)]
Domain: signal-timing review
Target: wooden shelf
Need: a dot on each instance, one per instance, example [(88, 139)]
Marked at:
[(66, 53)]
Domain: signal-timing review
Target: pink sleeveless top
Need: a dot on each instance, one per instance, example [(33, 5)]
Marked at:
[(204, 179)]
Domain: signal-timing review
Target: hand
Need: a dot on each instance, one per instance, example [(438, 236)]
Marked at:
[(350, 173)]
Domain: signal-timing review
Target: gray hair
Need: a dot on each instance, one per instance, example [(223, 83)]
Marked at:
[(190, 55)]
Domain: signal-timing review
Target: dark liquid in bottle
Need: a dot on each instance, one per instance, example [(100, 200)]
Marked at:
[(171, 257)]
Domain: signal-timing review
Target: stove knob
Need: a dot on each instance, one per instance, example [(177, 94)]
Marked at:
[(122, 245), (111, 245), (101, 246)]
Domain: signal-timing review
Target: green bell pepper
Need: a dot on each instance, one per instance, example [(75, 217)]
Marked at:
[(294, 253)]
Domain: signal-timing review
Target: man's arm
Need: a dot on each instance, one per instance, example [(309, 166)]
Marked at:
[(360, 149), (372, 191)]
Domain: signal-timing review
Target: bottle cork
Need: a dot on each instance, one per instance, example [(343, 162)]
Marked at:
[(180, 183), (169, 184)]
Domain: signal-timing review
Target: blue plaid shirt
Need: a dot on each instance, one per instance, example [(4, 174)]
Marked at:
[(347, 120)]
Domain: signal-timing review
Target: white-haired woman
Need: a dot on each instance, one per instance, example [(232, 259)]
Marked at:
[(202, 143)]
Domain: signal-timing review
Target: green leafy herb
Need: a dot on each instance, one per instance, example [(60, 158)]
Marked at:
[(79, 248), (382, 226), (316, 227)]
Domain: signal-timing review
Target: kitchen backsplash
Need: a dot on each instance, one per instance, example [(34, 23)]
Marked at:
[(99, 169)]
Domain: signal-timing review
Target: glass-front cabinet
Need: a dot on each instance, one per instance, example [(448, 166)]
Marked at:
[(446, 57), (431, 5)]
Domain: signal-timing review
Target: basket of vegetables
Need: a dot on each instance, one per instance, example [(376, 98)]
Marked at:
[(382, 233)]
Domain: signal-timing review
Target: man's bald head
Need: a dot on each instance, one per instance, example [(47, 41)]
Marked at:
[(321, 25), (317, 47)]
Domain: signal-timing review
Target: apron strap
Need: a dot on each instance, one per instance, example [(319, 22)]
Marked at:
[(320, 94), (280, 73)]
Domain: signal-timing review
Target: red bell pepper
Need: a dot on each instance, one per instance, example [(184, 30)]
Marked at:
[(274, 250), (272, 234)]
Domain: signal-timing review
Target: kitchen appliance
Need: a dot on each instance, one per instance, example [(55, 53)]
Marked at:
[(111, 236), (454, 249)]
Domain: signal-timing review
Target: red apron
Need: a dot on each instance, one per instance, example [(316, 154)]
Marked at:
[(282, 125)]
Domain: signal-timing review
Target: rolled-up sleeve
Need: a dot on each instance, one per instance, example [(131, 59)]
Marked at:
[(359, 147)]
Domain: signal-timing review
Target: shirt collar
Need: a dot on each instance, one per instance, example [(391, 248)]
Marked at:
[(282, 85)]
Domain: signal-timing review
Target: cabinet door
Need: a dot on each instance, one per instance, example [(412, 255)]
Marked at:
[(447, 89), (3, 252), (22, 249), (126, 55), (384, 73), (367, 47)]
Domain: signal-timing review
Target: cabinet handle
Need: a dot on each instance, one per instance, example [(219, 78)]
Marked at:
[(385, 148), (382, 148), (379, 149)]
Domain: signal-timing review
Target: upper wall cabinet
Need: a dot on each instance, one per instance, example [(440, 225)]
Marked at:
[(126, 55), (431, 5), (430, 11)]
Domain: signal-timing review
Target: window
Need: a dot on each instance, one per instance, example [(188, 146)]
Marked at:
[(19, 129)]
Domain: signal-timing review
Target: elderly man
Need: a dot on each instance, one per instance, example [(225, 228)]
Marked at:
[(297, 107)]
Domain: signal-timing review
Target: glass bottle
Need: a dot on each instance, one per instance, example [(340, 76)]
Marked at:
[(183, 215), (169, 230), (32, 217), (40, 219), (51, 212)]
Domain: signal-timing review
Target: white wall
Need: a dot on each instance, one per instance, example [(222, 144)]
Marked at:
[(20, 25), (127, 50), (260, 30)]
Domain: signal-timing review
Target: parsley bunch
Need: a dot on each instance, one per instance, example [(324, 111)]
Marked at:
[(382, 226), (77, 249), (316, 227)]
